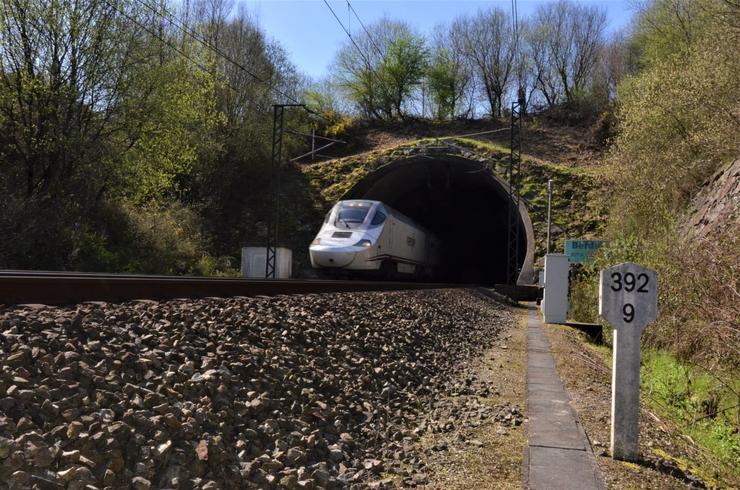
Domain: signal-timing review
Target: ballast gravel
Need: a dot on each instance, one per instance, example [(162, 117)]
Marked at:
[(312, 391)]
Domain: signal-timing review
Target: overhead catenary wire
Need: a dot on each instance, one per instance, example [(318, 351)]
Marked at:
[(292, 131), (360, 51), (468, 135), (362, 24), (197, 64), (349, 34), (313, 152), (178, 50), (513, 27), (172, 46), (188, 32), (517, 55), (180, 25), (516, 23)]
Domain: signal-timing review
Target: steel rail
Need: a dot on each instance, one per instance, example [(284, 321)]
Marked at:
[(64, 288)]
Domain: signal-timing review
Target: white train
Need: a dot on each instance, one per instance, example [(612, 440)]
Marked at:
[(363, 235)]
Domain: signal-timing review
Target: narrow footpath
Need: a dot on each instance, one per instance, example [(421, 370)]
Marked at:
[(558, 454)]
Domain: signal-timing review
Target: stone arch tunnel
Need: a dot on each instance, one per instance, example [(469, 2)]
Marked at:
[(461, 201)]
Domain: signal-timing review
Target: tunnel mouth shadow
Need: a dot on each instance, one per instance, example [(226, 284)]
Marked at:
[(464, 204)]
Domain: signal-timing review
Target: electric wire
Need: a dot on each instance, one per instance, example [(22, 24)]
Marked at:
[(349, 35), (469, 135), (372, 41), (180, 25), (515, 22), (185, 30), (182, 53), (178, 50), (360, 51), (517, 44)]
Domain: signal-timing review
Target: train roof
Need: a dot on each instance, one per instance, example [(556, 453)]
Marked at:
[(392, 211)]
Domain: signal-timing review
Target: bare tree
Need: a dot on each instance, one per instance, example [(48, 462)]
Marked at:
[(617, 59), (251, 72), (542, 68), (524, 68), (210, 17), (587, 25), (487, 42), (357, 64), (241, 41), (565, 41)]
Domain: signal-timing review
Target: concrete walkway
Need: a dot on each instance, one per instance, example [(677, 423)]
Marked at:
[(558, 454)]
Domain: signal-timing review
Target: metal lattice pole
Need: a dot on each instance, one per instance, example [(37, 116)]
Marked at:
[(515, 160), (549, 214), (276, 161), (273, 225)]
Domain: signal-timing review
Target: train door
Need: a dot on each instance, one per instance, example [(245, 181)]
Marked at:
[(411, 244), (389, 235), (386, 240)]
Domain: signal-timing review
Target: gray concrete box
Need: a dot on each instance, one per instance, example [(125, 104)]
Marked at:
[(253, 262), (555, 299)]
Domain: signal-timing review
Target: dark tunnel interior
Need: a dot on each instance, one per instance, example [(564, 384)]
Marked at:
[(458, 200)]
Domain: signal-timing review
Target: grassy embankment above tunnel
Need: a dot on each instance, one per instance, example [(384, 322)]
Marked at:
[(575, 212)]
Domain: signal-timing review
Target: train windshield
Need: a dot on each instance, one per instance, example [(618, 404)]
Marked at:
[(353, 212), (378, 218)]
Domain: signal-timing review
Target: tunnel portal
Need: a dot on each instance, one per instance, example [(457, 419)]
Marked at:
[(464, 204)]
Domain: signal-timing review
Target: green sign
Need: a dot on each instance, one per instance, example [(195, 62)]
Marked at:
[(582, 251)]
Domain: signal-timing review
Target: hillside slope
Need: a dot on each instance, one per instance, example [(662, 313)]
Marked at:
[(549, 152), (715, 210)]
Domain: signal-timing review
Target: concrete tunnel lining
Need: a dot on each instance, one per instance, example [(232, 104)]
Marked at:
[(464, 203)]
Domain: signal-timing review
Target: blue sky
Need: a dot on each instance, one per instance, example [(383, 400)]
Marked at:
[(311, 35)]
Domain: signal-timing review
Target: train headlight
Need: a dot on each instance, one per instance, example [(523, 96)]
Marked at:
[(363, 243), (316, 241)]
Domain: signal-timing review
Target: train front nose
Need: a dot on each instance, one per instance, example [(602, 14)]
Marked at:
[(326, 257)]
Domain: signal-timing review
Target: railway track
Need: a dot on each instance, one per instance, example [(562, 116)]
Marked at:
[(60, 288)]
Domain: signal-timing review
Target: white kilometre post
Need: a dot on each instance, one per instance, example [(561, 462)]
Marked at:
[(628, 300)]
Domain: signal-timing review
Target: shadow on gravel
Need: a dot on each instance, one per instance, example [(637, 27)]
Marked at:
[(671, 469), (593, 331)]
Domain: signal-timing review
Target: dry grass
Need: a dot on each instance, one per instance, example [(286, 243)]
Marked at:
[(585, 371)]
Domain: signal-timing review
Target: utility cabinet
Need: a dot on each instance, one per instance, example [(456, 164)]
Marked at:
[(555, 298), (254, 262)]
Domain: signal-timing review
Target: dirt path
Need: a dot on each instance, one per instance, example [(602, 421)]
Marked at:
[(558, 453), (488, 455), (475, 439)]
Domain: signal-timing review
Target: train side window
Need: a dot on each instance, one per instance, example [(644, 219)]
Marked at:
[(379, 218)]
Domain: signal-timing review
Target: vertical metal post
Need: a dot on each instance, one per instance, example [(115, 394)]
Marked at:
[(423, 100), (549, 212), (515, 160), (273, 224), (276, 164), (313, 143)]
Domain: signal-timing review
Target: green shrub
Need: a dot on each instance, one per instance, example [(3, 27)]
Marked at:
[(149, 239), (37, 232), (678, 124), (703, 404), (582, 110), (604, 130), (678, 117), (210, 266)]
